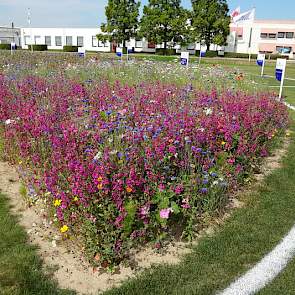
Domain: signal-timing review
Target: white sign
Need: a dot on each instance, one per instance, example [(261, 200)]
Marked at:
[(184, 58), (81, 51), (280, 73), (261, 62)]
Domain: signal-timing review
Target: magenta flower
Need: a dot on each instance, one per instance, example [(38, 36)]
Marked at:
[(164, 213)]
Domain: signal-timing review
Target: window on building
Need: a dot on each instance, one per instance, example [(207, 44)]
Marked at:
[(240, 36), (290, 35), (37, 39), (263, 35), (80, 41), (58, 41), (272, 36), (69, 40), (101, 44), (284, 49), (48, 40), (281, 35), (138, 43), (94, 41), (27, 40)]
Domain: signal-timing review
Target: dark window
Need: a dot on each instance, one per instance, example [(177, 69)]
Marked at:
[(263, 35), (281, 35), (290, 35), (285, 50), (138, 43), (94, 41), (48, 40), (69, 40), (58, 41), (272, 36), (80, 41)]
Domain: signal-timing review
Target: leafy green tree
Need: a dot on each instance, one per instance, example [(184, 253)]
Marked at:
[(210, 22), (164, 21), (122, 21)]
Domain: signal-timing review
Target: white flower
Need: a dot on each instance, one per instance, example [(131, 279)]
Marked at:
[(8, 121), (97, 156), (208, 111)]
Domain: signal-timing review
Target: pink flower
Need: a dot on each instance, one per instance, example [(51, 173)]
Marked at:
[(164, 213)]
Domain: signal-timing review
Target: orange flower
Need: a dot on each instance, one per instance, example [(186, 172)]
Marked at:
[(128, 189), (99, 186), (99, 179)]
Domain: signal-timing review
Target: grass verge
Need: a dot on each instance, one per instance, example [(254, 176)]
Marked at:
[(21, 270), (249, 234)]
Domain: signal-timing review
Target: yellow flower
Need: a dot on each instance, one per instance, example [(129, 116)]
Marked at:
[(128, 189), (288, 133), (120, 162), (99, 186), (99, 179), (57, 203), (223, 143), (20, 162), (76, 199), (64, 229)]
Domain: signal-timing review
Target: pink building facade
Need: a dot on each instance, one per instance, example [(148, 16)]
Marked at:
[(264, 36)]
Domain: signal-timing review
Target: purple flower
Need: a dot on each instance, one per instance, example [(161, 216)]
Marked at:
[(164, 213)]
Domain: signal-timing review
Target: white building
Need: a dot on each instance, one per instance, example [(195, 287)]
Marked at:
[(268, 36), (264, 36), (56, 38)]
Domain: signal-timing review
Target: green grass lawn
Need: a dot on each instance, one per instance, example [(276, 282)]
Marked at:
[(20, 267)]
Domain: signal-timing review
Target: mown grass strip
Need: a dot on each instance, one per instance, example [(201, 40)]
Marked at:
[(249, 234), (20, 267)]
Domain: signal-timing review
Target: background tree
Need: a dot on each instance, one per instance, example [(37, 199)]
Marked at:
[(122, 21), (164, 21), (210, 22)]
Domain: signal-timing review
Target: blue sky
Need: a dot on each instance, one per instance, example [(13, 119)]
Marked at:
[(90, 13)]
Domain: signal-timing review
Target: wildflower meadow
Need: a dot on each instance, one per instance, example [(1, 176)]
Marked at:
[(126, 153)]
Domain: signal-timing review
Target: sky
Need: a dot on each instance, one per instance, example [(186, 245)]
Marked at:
[(90, 13)]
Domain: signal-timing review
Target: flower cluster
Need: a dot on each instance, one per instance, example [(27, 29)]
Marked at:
[(121, 165)]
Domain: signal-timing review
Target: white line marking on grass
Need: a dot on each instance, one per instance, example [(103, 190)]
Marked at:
[(266, 270)]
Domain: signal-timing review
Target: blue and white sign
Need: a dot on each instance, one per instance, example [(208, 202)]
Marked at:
[(130, 49), (184, 58), (260, 59), (280, 73), (280, 68), (203, 53), (261, 62), (81, 51), (119, 51), (12, 47)]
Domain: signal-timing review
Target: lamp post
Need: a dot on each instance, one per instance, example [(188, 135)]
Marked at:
[(29, 22)]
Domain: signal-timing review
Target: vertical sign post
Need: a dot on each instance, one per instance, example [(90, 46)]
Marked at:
[(12, 47), (280, 73), (202, 53), (261, 62), (129, 51), (184, 58), (119, 52)]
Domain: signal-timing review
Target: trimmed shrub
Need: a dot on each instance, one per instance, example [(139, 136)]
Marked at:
[(38, 47), (68, 48), (5, 46), (168, 51), (209, 53)]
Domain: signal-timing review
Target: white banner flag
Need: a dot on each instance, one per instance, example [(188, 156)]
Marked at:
[(246, 17)]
